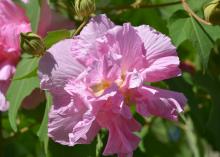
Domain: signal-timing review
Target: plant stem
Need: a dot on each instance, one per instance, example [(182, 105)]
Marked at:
[(192, 13), (80, 27), (141, 5)]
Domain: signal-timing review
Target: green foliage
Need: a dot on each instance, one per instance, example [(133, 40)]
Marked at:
[(33, 9), (197, 132), (55, 36), (99, 145), (57, 150), (42, 132), (183, 27), (19, 89), (212, 86)]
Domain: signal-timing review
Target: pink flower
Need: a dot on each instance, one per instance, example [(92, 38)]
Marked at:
[(11, 25), (12, 22), (96, 77), (51, 20)]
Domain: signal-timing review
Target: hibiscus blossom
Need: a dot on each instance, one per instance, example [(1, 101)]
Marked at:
[(13, 21), (96, 77)]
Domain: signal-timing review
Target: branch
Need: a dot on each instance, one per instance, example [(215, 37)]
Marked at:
[(141, 5), (80, 27), (192, 13)]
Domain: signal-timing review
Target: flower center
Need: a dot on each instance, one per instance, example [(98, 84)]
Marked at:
[(99, 88)]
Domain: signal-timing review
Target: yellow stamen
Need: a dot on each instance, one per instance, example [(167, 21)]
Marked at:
[(98, 89)]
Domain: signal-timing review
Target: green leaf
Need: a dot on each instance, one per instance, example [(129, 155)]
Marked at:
[(142, 134), (212, 86), (135, 17), (213, 32), (31, 74), (202, 42), (81, 150), (55, 36), (27, 72), (169, 10), (26, 66), (182, 117), (49, 40), (43, 131), (33, 10), (99, 145), (19, 89), (180, 28), (187, 28), (192, 138)]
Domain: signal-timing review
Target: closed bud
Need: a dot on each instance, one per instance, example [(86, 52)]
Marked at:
[(84, 8), (212, 12), (32, 44)]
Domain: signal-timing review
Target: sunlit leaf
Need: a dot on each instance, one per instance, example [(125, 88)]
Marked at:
[(183, 28), (42, 132), (19, 89), (55, 36), (33, 9)]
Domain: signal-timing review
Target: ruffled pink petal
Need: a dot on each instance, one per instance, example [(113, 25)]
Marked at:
[(84, 46), (112, 100), (121, 138), (12, 22), (96, 76), (84, 51), (115, 115), (116, 103), (78, 87), (123, 45), (132, 80), (11, 25), (158, 102), (121, 107), (6, 71), (161, 58), (4, 105), (111, 71), (162, 68), (96, 27), (109, 93), (103, 69), (9, 39), (58, 66), (7, 13), (73, 123)]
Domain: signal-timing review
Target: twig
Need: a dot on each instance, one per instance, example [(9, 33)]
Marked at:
[(192, 13), (80, 27), (141, 5)]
